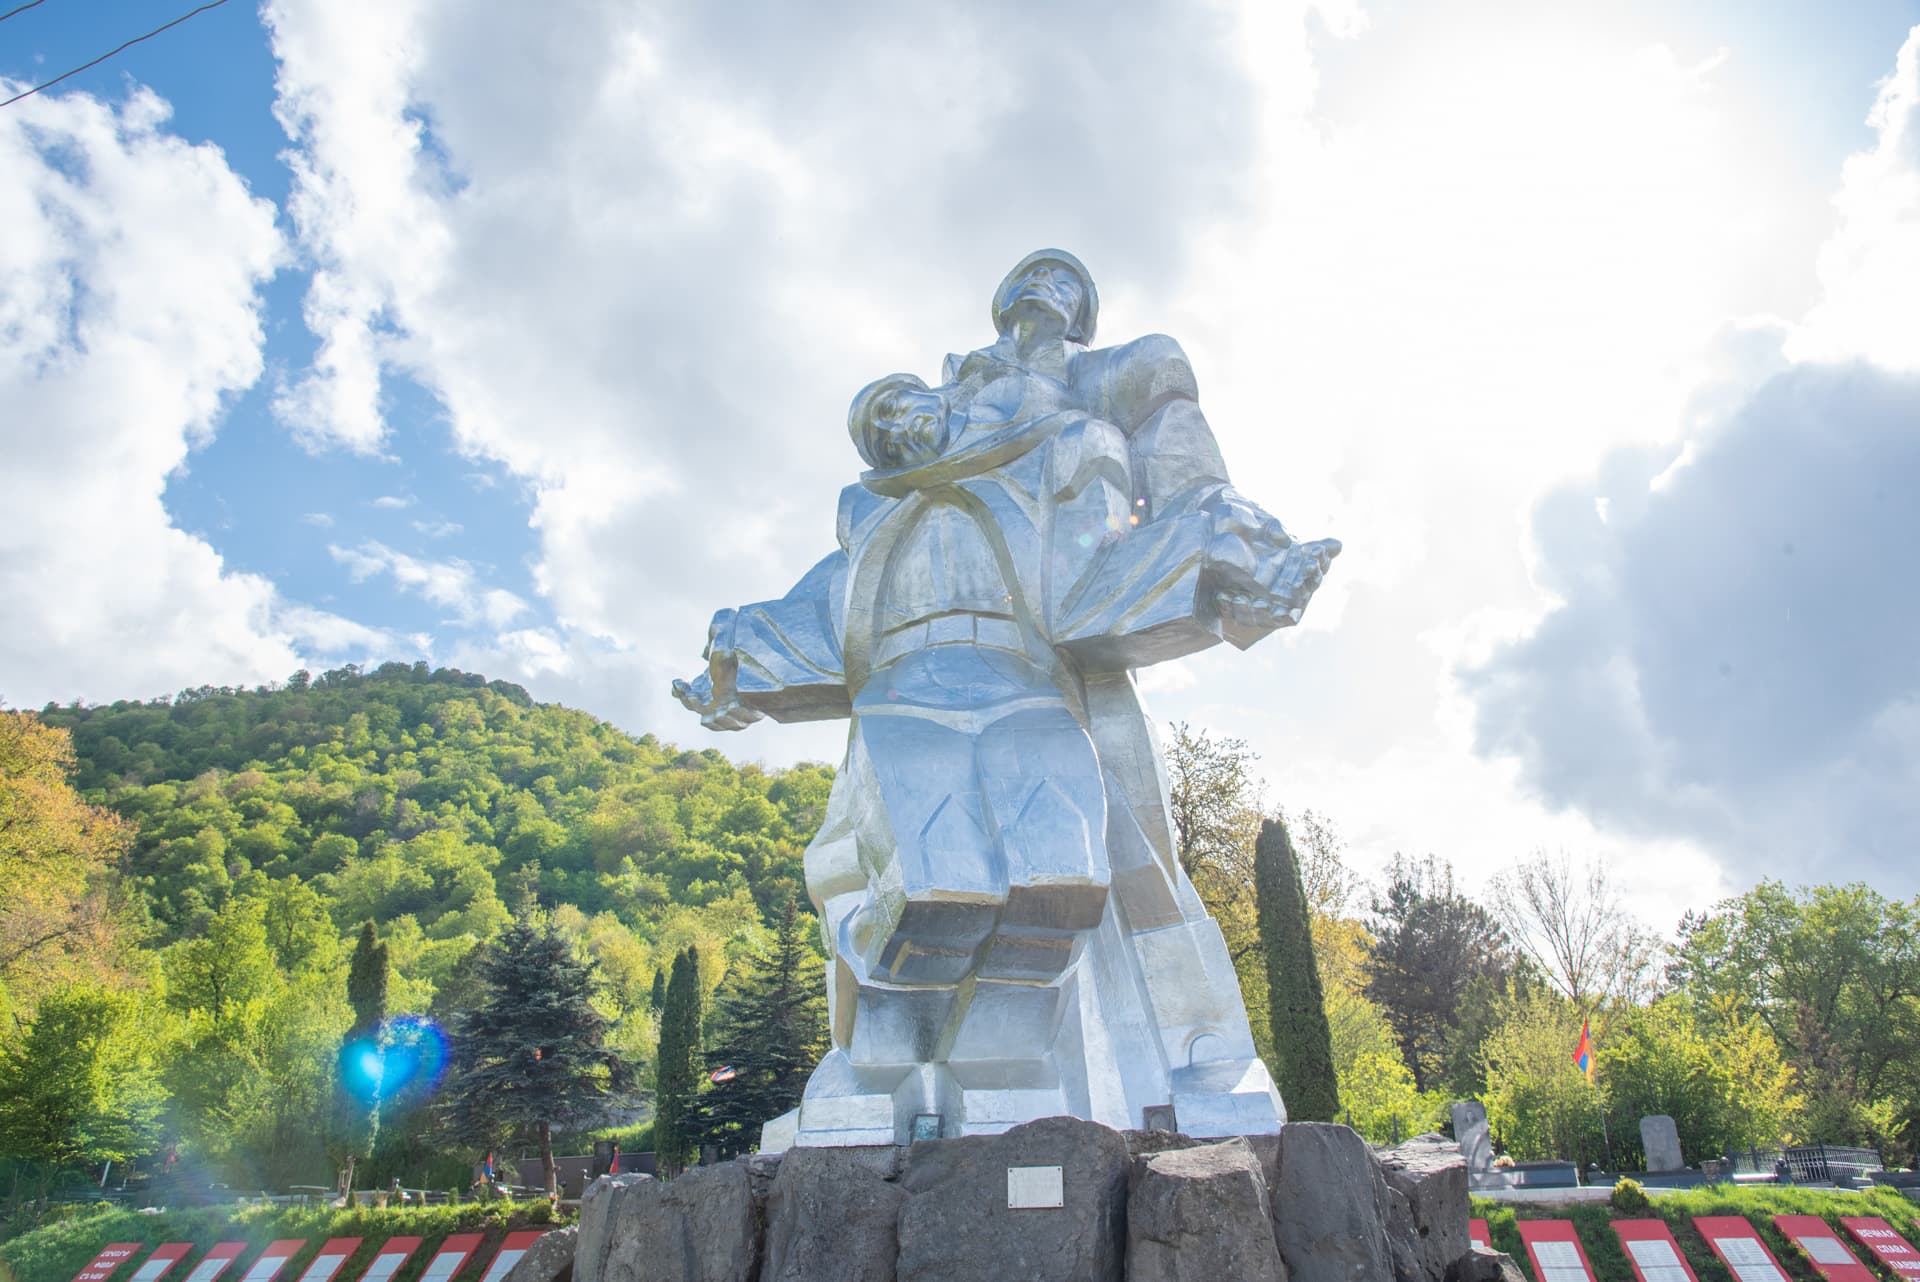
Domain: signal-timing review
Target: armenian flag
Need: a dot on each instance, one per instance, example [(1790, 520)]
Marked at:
[(1583, 1053)]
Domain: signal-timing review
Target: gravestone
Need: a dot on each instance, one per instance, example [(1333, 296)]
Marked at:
[(1661, 1139), (1470, 1132)]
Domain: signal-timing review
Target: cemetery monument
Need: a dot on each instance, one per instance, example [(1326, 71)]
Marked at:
[(1010, 935)]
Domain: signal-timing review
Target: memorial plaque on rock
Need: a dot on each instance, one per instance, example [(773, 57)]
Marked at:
[(1035, 1188), (1661, 1138)]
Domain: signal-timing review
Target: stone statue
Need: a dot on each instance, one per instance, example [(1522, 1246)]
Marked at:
[(1010, 934)]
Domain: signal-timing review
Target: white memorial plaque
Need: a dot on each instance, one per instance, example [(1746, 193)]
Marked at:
[(1749, 1259), (1826, 1250), (1034, 1187), (1559, 1262), (1657, 1260)]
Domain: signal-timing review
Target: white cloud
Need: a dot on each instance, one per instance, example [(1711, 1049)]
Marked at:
[(393, 502), (438, 529), (319, 520), (1870, 269), (453, 585), (1730, 654), (1421, 283), (129, 312)]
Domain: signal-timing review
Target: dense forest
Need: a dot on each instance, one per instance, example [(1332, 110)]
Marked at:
[(207, 901), (227, 845)]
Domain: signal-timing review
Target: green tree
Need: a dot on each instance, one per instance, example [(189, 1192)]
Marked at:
[(1833, 972), (360, 1062), (56, 855), (676, 1075), (1718, 1075), (1430, 943), (1302, 1041), (81, 1085), (1539, 1103), (533, 1055), (770, 1029)]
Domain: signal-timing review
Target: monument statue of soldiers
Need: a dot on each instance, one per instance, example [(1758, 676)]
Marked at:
[(1010, 934)]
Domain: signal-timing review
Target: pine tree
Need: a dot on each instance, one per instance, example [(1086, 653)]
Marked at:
[(1302, 1042), (358, 1064), (771, 1027), (533, 1054), (677, 1074)]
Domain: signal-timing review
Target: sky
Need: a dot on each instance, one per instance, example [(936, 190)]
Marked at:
[(519, 339)]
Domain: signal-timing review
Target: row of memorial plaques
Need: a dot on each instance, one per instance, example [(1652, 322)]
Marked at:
[(453, 1255), (1554, 1249)]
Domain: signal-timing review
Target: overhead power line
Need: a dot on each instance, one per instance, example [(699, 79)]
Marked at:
[(212, 4), (21, 9)]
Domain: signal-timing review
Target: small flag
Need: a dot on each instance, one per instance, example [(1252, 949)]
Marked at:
[(725, 1073), (1583, 1053)]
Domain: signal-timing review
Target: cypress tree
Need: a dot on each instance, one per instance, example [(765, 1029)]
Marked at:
[(657, 995), (1302, 1042), (358, 1063), (676, 1077), (770, 1029), (532, 1056)]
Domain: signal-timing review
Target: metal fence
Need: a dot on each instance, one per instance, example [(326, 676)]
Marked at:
[(1806, 1163)]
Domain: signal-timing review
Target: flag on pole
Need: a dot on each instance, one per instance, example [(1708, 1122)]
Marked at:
[(1583, 1053)]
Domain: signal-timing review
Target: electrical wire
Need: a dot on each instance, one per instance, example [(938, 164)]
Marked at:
[(212, 4), (22, 9)]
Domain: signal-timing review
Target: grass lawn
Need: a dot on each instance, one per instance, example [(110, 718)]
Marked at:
[(1758, 1204), (55, 1252)]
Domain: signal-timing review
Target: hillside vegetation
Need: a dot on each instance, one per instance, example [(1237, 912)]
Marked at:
[(173, 970)]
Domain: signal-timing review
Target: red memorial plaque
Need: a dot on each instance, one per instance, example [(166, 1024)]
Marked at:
[(1477, 1232), (334, 1253), (387, 1261), (101, 1266), (453, 1253), (216, 1262), (1651, 1250), (1884, 1244), (1739, 1247), (509, 1254), (1556, 1251), (1819, 1242), (273, 1259), (161, 1262)]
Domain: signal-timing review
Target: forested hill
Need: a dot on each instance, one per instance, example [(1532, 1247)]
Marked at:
[(435, 796)]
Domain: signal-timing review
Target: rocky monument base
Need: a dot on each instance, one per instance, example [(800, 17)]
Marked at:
[(1056, 1199)]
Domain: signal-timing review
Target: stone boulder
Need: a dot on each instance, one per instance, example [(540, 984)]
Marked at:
[(956, 1225), (1201, 1215), (1327, 1204), (599, 1205), (1403, 1243), (831, 1217), (1430, 1173), (549, 1259), (1483, 1265), (703, 1226)]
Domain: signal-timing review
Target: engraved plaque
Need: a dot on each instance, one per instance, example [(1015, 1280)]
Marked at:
[(1032, 1187)]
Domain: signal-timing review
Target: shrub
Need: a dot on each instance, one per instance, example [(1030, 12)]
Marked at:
[(1630, 1199)]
